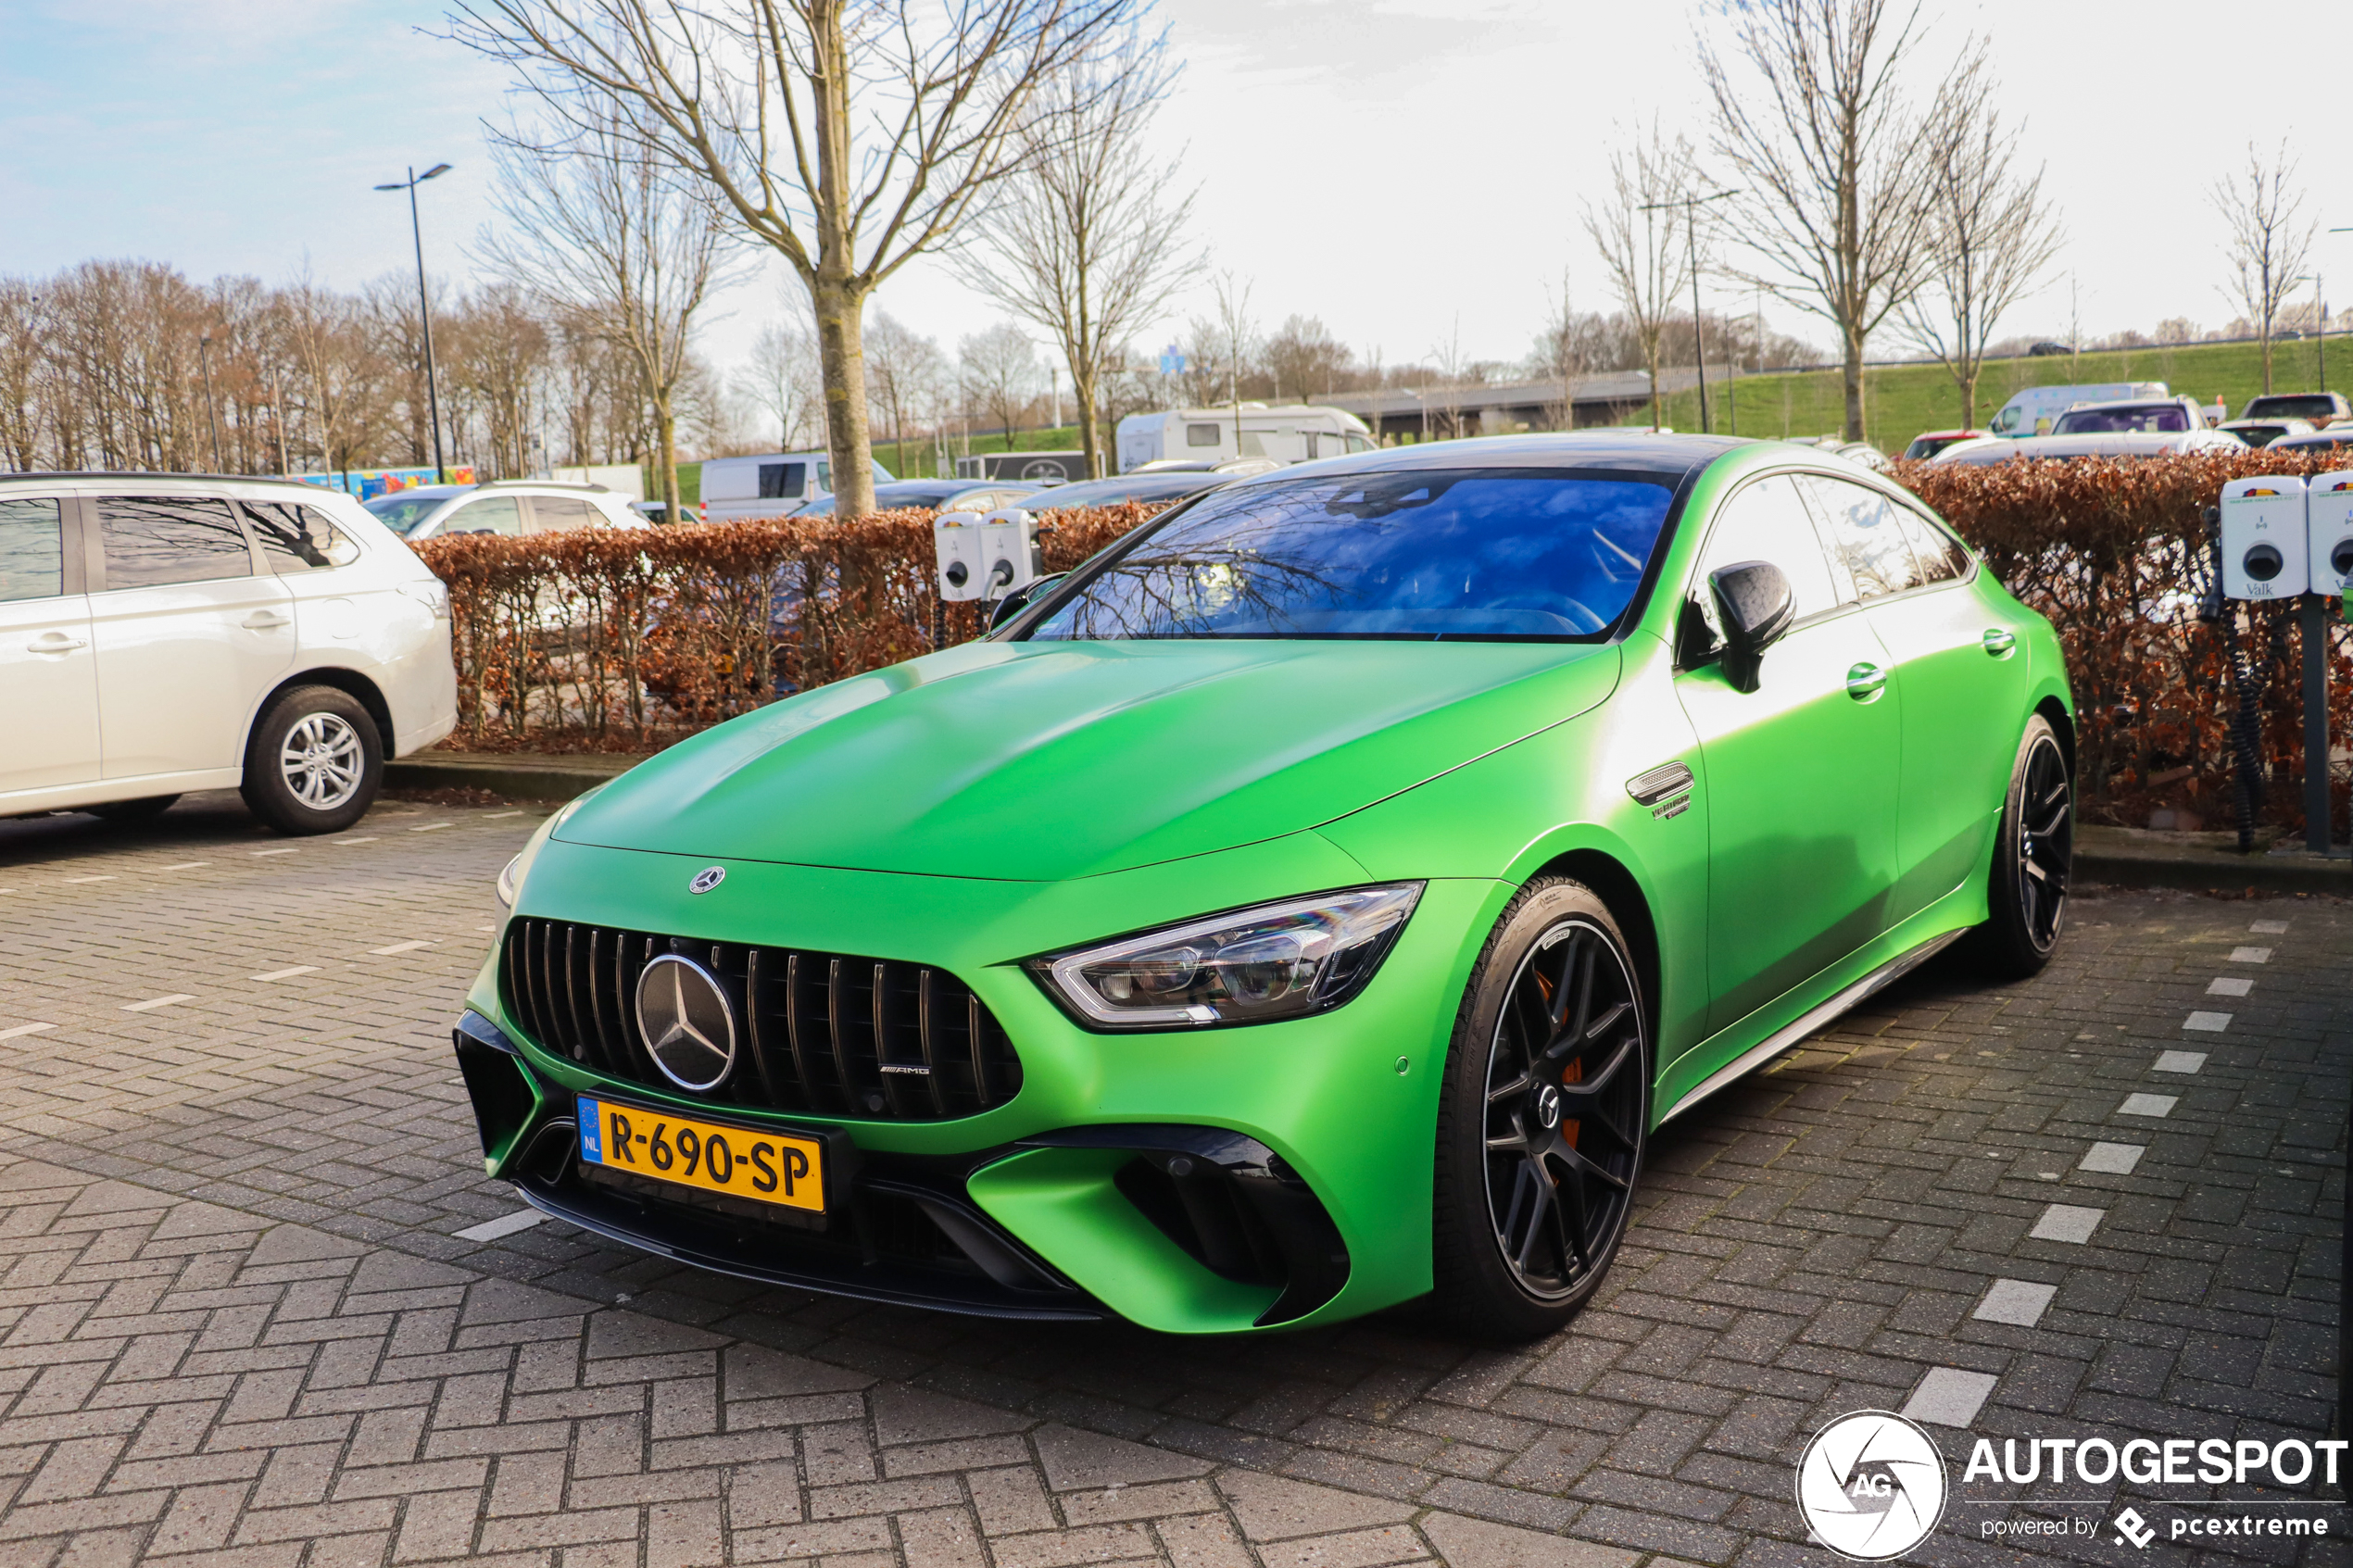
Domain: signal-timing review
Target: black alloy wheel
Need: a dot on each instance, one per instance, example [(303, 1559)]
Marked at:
[(2026, 895), (1544, 1117)]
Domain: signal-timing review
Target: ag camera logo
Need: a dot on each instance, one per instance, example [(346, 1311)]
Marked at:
[(1871, 1484)]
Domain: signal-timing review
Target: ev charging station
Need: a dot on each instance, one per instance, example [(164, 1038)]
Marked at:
[(2281, 538), (964, 571)]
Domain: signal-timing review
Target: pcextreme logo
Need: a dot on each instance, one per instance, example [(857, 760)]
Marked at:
[(1871, 1484)]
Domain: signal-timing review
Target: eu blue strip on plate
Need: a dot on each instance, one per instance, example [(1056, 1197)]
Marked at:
[(592, 1131)]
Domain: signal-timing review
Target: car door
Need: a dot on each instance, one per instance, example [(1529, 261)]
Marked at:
[(332, 607), (48, 674), (1801, 774), (1960, 685), (189, 635)]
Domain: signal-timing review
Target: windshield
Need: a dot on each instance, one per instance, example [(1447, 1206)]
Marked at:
[(402, 513), (1470, 555), (2151, 418), (2302, 405)]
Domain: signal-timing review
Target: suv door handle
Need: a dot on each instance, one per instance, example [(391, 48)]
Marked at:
[(1999, 640), (266, 620), (54, 642), (1863, 682)]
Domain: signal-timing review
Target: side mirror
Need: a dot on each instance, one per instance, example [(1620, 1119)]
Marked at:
[(1755, 602), (1021, 598)]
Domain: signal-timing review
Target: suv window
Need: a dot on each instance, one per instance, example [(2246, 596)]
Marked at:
[(781, 481), (153, 540), (32, 555), (549, 513), (1865, 537), (490, 514), (1768, 521), (2315, 406), (299, 538)]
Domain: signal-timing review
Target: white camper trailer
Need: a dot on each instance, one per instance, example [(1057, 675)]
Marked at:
[(1290, 433), (773, 484)]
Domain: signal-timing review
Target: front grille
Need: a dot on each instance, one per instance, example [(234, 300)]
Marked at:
[(823, 1033)]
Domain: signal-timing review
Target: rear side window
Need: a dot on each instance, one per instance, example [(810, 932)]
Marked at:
[(781, 481), (491, 514), (1937, 553), (32, 555), (549, 513), (1865, 537), (155, 540), (299, 538)]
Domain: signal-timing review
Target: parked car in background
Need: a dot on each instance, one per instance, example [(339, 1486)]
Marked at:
[(162, 633), (1861, 452), (2319, 408), (2146, 415), (1152, 486), (2336, 435), (652, 511), (2119, 443), (1232, 467), (2047, 351), (2262, 433), (2027, 412), (1288, 433), (511, 508), (770, 486), (1034, 468), (1929, 443), (939, 495)]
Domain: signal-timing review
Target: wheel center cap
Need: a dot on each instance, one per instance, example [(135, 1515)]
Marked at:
[(1548, 1107)]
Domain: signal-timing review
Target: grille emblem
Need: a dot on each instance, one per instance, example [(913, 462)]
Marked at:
[(689, 1028), (706, 879)]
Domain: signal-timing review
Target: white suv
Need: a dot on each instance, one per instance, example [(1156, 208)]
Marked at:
[(161, 634), (512, 507)]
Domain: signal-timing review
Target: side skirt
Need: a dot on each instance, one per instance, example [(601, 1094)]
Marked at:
[(1814, 1018)]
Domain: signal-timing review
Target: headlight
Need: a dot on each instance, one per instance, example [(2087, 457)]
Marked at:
[(1249, 966), (510, 880)]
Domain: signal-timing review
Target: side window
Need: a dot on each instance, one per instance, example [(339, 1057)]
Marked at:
[(492, 514), (551, 513), (781, 482), (1768, 521), (1939, 555), (32, 555), (1201, 435), (1865, 537), (153, 540), (299, 538)]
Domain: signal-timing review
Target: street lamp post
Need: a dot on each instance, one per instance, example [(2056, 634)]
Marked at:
[(1691, 242), (211, 408), (424, 307)]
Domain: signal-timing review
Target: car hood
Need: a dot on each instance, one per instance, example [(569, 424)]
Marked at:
[(1042, 762)]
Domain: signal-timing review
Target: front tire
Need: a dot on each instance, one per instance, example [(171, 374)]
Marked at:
[(2033, 853), (315, 761), (1541, 1119)]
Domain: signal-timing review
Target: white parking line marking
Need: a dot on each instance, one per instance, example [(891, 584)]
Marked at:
[(2017, 1302), (2207, 1022), (2250, 955), (158, 1002), (287, 973), (2228, 986), (26, 1029), (2179, 1061), (2148, 1105), (496, 815), (2066, 1221), (71, 880), (2270, 928), (364, 838), (1950, 1396), (505, 1225), (433, 827), (186, 866), (485, 928), (399, 947), (2112, 1158), (290, 851)]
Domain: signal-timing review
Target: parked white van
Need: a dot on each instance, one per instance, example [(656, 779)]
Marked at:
[(2034, 410), (773, 484), (1290, 433)]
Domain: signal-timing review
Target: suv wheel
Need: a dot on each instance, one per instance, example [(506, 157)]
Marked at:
[(314, 764)]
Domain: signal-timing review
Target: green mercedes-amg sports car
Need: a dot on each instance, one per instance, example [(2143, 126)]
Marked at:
[(1312, 903)]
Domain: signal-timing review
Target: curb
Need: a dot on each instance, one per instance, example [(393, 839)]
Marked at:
[(520, 776)]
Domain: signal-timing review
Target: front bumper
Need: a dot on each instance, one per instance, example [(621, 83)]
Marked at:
[(1222, 1180)]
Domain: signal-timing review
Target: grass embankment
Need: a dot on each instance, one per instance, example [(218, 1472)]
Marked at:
[(1900, 401)]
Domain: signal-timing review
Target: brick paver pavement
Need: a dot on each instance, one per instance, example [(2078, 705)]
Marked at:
[(240, 1323)]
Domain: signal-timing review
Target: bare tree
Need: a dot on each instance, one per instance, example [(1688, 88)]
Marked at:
[(2269, 239), (849, 138), (998, 371), (1078, 243), (1991, 236), (1834, 200), (785, 379), (907, 368), (1644, 253), (1304, 357), (1236, 335)]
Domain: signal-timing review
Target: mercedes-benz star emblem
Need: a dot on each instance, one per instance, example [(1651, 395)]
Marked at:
[(687, 1026), (1548, 1106), (706, 879)]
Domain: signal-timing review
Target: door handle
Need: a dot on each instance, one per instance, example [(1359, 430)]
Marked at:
[(1865, 682), (1999, 641), (54, 642), (266, 620)]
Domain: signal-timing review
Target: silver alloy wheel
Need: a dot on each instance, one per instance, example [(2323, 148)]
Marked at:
[(321, 760)]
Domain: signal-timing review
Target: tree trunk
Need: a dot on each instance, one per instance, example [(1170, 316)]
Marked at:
[(2267, 356), (841, 341), (838, 296), (1854, 378), (1969, 399), (666, 456), (1082, 392), (1657, 420)]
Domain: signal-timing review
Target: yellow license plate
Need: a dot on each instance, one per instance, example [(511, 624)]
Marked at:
[(764, 1166)]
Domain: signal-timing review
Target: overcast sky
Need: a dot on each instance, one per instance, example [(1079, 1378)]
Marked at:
[(1405, 169)]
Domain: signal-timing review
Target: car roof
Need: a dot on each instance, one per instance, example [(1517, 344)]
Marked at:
[(1668, 456), (53, 476), (1160, 486)]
